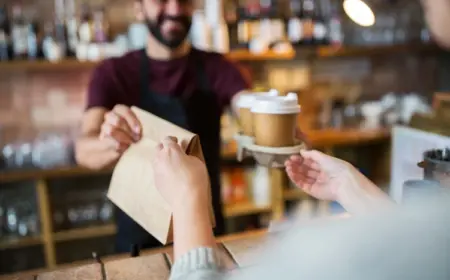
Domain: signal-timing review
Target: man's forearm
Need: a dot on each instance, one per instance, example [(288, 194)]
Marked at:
[(192, 227), (91, 152)]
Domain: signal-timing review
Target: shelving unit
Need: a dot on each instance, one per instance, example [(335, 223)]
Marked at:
[(243, 55), (12, 243), (350, 51)]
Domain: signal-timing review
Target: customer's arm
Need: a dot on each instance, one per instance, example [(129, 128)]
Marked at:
[(329, 178), (183, 182), (194, 245)]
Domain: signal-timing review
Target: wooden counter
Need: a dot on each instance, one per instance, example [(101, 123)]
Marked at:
[(236, 250)]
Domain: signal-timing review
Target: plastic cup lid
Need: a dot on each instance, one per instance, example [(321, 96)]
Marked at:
[(276, 104), (246, 100)]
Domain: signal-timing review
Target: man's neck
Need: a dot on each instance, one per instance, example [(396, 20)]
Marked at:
[(158, 51)]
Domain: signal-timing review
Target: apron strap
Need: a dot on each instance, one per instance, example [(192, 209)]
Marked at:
[(145, 73), (201, 76)]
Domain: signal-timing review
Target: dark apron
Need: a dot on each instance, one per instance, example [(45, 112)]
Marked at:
[(200, 114)]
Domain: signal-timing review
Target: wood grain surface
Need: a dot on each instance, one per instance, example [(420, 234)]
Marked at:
[(140, 268)]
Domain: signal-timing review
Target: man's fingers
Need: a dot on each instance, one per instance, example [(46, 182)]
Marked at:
[(126, 113), (117, 134), (118, 121)]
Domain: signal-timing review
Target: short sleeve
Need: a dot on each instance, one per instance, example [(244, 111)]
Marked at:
[(101, 90), (229, 78)]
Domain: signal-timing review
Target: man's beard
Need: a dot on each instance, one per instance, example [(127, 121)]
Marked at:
[(175, 41)]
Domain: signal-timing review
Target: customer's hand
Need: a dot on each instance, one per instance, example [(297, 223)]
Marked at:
[(120, 128), (178, 177), (318, 174), (328, 178)]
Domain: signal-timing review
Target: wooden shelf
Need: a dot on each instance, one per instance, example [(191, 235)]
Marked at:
[(245, 208), (339, 137), (73, 64), (19, 242), (245, 55), (349, 51), (43, 65), (35, 174), (85, 233)]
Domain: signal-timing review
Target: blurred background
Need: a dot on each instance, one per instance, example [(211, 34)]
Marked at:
[(358, 72)]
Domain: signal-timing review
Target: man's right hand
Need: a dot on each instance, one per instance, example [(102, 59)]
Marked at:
[(120, 128)]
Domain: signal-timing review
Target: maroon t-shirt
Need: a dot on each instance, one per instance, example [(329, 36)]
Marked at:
[(117, 80)]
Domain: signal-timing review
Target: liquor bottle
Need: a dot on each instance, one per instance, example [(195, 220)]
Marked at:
[(4, 34), (72, 28), (100, 27), (244, 28), (32, 34), (335, 34), (320, 28), (48, 41), (295, 26), (19, 33), (85, 33), (307, 18), (231, 18), (60, 26)]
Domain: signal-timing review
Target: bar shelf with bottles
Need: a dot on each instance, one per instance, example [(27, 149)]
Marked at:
[(80, 36)]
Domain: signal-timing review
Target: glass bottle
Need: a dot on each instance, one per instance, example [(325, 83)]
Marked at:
[(335, 34), (320, 28), (72, 28), (60, 26), (85, 29), (4, 34), (32, 35), (100, 27), (307, 18), (295, 26), (19, 33)]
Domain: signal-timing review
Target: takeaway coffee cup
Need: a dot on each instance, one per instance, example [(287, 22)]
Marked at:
[(275, 120), (244, 105)]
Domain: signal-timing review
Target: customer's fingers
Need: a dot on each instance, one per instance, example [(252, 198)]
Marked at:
[(307, 167), (159, 147), (171, 142), (316, 156)]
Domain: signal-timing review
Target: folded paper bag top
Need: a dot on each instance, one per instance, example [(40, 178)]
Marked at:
[(132, 186)]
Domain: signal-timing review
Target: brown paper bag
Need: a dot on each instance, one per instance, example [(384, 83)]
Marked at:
[(132, 186)]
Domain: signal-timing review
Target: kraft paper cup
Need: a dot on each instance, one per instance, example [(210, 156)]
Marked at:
[(275, 120), (244, 105)]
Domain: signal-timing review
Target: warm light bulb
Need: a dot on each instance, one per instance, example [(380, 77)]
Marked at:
[(359, 12)]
